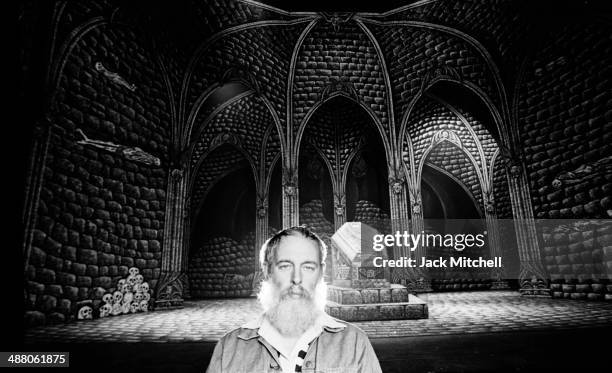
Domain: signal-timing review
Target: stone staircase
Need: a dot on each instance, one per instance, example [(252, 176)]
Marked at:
[(388, 302)]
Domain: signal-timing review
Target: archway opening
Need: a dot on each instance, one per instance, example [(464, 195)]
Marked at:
[(342, 169), (221, 255), (451, 195)]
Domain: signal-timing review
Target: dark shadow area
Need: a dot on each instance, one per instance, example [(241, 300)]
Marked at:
[(525, 351)]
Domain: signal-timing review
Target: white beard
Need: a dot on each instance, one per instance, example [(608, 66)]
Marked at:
[(292, 316)]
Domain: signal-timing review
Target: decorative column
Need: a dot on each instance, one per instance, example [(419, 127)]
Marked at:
[(401, 200), (532, 276), (497, 274), (261, 225), (291, 200), (421, 279), (173, 278), (36, 171), (261, 235), (339, 208)]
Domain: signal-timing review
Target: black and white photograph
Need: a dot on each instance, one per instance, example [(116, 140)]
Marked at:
[(290, 186)]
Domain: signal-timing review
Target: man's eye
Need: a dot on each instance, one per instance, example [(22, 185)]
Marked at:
[(310, 268), (283, 267)]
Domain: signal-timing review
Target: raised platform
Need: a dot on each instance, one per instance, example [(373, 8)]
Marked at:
[(392, 294), (414, 308), (387, 303)]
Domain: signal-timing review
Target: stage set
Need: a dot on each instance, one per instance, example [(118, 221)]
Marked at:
[(167, 142)]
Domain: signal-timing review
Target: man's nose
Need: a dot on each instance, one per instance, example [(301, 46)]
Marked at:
[(297, 277)]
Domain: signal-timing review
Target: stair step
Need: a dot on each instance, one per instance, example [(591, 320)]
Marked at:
[(415, 308)]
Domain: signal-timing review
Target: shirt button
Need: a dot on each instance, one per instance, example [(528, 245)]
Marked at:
[(308, 364)]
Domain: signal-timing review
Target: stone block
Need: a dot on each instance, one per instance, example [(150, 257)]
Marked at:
[(92, 270), (103, 281), (35, 287), (370, 296), (399, 295), (385, 295), (34, 318), (56, 318), (71, 292), (47, 303), (578, 296), (392, 312), (88, 256), (45, 275), (65, 278), (595, 296), (79, 269), (84, 281), (64, 306), (69, 252)]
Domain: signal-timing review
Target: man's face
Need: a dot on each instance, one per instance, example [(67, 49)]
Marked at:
[(297, 266)]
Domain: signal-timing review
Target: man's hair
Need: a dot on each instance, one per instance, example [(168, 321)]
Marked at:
[(269, 250)]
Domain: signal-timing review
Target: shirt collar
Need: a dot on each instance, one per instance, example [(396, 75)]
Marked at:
[(250, 329)]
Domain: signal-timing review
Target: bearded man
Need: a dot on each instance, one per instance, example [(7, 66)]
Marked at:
[(294, 334)]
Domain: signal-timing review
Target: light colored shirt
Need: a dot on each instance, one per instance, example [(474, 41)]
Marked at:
[(339, 347), (288, 357)]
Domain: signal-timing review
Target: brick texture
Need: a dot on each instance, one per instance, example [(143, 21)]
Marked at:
[(100, 213), (247, 118), (346, 55), (565, 121), (411, 53), (265, 52)]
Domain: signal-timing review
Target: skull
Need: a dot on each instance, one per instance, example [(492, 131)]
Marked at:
[(144, 287), (147, 296), (126, 287), (557, 183), (131, 280), (144, 305), (138, 297), (105, 310), (85, 313), (133, 271), (128, 297), (139, 279), (138, 288), (116, 309), (117, 297), (120, 283), (134, 307), (107, 298)]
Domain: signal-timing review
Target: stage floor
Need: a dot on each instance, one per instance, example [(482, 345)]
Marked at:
[(496, 331), (449, 313)]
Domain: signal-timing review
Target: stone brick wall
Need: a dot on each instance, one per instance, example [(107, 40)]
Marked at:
[(247, 118), (411, 53), (369, 213), (100, 213), (217, 15), (565, 121), (264, 51), (346, 55), (222, 161), (499, 25), (503, 206), (430, 116), (579, 259), (223, 267), (451, 159), (336, 128)]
